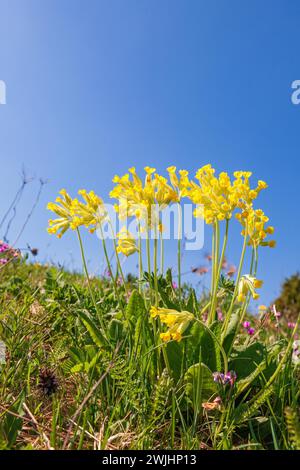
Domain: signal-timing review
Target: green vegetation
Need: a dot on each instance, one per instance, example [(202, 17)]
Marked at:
[(74, 380)]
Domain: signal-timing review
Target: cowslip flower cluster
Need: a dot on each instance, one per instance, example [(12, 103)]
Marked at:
[(89, 213), (214, 196), (218, 197), (224, 379), (63, 208), (73, 213), (244, 194), (138, 199), (254, 222), (248, 284), (7, 253), (126, 242), (176, 321)]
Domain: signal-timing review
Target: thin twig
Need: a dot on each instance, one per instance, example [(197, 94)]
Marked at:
[(45, 438), (86, 399), (42, 184), (14, 204)]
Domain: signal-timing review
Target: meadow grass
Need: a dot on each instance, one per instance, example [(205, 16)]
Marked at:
[(65, 385)]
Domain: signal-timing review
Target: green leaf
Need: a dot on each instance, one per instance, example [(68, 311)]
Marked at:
[(93, 330), (115, 329), (246, 410), (166, 300), (245, 361), (210, 349), (77, 368), (169, 277), (199, 384), (293, 426), (192, 303), (231, 331), (135, 307), (11, 425), (175, 356), (266, 367)]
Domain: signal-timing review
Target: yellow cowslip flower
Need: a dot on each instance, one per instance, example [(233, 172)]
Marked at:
[(126, 242), (220, 196), (134, 198), (138, 200), (176, 321), (214, 196), (173, 177), (91, 212), (63, 207), (248, 284), (242, 192), (181, 184), (164, 194), (254, 221)]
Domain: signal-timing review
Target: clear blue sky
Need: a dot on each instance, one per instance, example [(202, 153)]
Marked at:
[(98, 86)]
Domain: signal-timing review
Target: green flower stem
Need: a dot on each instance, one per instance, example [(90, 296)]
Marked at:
[(219, 269), (252, 261), (88, 278), (109, 265), (140, 259), (215, 255), (155, 267), (228, 315), (149, 263), (179, 251), (117, 256), (212, 262), (119, 266), (204, 309), (253, 270), (217, 250), (161, 254), (166, 359)]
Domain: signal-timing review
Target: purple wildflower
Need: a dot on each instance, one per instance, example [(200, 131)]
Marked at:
[(7, 253), (219, 377), (230, 377), (291, 325), (224, 379), (4, 247), (251, 331), (246, 324)]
